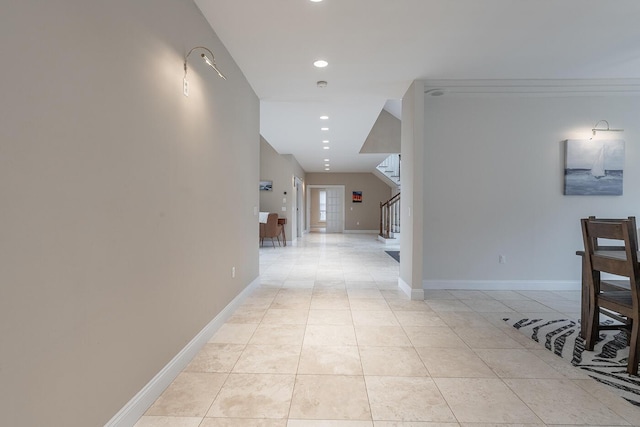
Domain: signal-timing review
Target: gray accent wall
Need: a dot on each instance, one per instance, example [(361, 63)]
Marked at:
[(124, 205)]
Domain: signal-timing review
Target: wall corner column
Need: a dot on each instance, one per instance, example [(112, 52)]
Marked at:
[(411, 203)]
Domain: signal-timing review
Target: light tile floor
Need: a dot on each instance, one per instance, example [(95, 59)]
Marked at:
[(328, 341)]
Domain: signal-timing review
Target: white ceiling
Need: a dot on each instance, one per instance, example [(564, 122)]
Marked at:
[(376, 48)]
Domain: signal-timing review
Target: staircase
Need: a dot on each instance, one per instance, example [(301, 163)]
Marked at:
[(390, 218), (390, 169)]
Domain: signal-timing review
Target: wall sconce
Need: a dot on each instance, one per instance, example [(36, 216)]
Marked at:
[(209, 61), (607, 129)]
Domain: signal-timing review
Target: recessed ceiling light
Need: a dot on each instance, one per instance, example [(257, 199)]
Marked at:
[(324, 117), (316, 1), (324, 128), (320, 63), (327, 164), (327, 169), (325, 141), (326, 147), (326, 160)]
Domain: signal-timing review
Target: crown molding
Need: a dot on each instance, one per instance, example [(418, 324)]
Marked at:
[(537, 87)]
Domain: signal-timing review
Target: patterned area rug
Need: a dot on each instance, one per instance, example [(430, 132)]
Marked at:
[(607, 364)]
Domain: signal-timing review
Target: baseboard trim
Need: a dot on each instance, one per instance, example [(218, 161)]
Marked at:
[(413, 294), (389, 241), (138, 405), (502, 285)]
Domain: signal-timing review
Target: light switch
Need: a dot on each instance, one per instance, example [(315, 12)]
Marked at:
[(284, 200), (284, 209)]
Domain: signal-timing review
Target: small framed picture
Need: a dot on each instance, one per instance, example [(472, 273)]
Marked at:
[(357, 197), (266, 185)]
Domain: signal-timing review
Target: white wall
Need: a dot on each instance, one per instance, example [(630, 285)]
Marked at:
[(123, 204), (493, 168), (384, 136)]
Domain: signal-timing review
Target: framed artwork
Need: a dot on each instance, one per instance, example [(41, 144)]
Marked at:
[(266, 185), (594, 167), (356, 197)]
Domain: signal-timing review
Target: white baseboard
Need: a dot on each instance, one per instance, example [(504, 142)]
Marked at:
[(390, 241), (360, 231), (500, 285), (138, 405), (413, 294)]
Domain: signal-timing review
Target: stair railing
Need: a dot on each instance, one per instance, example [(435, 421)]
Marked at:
[(390, 217)]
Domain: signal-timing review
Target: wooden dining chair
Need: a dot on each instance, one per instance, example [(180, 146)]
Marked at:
[(607, 296)]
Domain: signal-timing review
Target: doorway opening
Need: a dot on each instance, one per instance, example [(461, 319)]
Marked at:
[(299, 207), (325, 208)]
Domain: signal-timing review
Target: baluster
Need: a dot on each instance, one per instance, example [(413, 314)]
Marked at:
[(381, 229)]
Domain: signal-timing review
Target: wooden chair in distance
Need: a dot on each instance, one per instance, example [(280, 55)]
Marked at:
[(271, 229), (609, 297)]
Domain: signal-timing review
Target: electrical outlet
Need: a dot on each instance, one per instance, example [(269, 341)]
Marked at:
[(233, 272), (502, 259), (357, 222)]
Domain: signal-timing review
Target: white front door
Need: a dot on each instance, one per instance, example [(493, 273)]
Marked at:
[(335, 215)]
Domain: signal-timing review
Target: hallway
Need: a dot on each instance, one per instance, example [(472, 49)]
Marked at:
[(327, 340)]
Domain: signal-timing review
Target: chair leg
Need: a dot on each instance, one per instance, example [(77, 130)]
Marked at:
[(634, 348), (593, 322), (272, 242)]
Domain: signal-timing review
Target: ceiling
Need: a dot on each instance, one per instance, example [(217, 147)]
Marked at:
[(376, 48)]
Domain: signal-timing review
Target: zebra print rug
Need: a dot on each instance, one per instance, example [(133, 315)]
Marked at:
[(607, 364)]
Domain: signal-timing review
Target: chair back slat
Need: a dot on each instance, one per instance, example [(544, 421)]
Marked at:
[(611, 265), (634, 234), (606, 230)]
